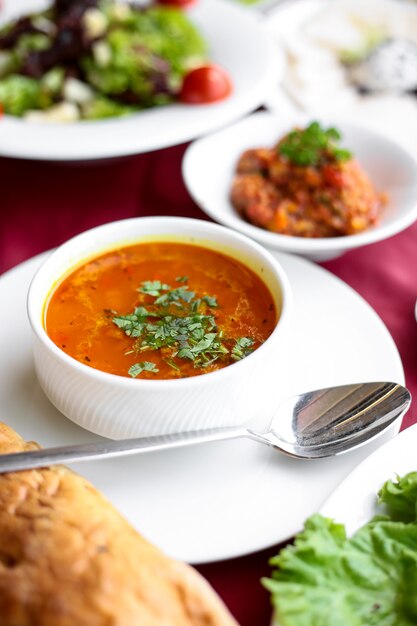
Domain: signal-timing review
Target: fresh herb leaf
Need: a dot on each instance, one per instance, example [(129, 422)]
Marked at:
[(204, 352), (133, 325), (186, 353), (210, 301), (242, 348), (176, 323), (313, 145), (153, 287), (172, 364), (175, 296), (333, 133), (195, 305), (145, 366), (182, 279), (204, 343), (341, 155)]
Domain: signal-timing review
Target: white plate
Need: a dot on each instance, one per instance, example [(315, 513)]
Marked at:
[(209, 165), (237, 41), (226, 499), (308, 31), (354, 502)]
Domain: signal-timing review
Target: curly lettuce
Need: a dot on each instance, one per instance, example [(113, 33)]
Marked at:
[(370, 579), (19, 94), (400, 497), (128, 58), (102, 108), (149, 54)]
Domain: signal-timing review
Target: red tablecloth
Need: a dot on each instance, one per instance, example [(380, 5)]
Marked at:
[(42, 205)]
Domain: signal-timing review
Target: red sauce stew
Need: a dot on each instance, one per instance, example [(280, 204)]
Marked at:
[(306, 186), (160, 310)]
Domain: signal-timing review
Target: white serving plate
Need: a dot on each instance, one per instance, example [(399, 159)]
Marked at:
[(227, 499), (237, 41), (354, 502), (209, 166)]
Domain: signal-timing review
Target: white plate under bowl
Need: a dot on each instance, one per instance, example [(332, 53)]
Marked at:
[(231, 498), (354, 502), (209, 165), (237, 41)]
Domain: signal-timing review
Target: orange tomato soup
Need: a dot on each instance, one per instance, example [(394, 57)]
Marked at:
[(160, 311)]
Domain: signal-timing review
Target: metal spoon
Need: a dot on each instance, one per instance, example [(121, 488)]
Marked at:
[(312, 425)]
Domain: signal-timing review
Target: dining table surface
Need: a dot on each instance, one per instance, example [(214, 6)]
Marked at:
[(42, 204)]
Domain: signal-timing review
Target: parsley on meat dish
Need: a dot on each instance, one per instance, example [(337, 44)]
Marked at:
[(313, 145)]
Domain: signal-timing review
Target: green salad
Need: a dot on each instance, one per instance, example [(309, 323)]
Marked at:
[(370, 579), (92, 59)]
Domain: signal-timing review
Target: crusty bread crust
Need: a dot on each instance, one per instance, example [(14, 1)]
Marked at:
[(68, 558)]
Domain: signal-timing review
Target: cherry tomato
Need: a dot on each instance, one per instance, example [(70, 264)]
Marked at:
[(180, 4), (206, 84)]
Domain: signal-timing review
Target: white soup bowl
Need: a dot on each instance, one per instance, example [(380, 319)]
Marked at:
[(119, 407)]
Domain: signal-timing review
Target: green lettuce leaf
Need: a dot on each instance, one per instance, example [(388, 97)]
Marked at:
[(101, 108), (18, 94), (370, 579), (159, 37), (400, 497), (146, 54)]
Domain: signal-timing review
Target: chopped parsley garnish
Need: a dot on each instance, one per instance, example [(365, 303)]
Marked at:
[(242, 348), (153, 287), (145, 366), (165, 295), (210, 300), (181, 325), (313, 145)]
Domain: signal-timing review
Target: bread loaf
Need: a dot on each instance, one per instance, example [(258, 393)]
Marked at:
[(68, 558)]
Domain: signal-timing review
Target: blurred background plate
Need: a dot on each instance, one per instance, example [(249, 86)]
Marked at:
[(315, 34), (237, 41)]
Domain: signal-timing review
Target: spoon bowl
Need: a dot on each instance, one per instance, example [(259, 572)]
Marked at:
[(330, 421), (312, 425)]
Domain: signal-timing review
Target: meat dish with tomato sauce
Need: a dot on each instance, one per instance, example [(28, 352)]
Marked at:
[(306, 186)]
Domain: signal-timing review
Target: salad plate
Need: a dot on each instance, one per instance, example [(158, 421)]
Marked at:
[(354, 501), (231, 498), (237, 41)]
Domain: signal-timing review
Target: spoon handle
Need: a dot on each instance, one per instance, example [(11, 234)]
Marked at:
[(106, 449)]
